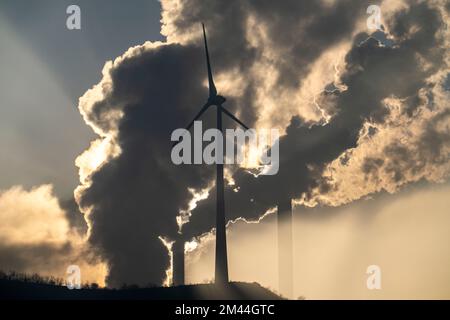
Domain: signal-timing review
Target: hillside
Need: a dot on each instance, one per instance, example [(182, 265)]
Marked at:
[(19, 290)]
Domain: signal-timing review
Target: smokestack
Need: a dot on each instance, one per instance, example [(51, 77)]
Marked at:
[(178, 262), (285, 252)]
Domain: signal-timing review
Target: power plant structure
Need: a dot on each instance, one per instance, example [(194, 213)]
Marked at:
[(285, 249), (178, 262)]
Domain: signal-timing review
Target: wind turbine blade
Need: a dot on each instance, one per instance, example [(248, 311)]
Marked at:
[(228, 113), (199, 114), (202, 110), (212, 87)]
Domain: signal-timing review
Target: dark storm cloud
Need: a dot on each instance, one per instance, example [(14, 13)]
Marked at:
[(302, 30), (136, 196), (374, 72), (73, 215)]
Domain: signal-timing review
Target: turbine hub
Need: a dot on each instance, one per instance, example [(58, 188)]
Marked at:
[(217, 100)]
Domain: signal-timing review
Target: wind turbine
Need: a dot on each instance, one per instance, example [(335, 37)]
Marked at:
[(221, 267)]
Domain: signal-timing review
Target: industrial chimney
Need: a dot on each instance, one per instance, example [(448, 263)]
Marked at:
[(285, 250), (178, 262)]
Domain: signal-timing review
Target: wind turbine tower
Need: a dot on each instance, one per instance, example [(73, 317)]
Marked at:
[(221, 262)]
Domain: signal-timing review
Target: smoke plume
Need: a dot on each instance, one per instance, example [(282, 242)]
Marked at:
[(355, 107)]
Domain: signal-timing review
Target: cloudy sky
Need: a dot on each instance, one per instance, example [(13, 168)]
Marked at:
[(86, 117)]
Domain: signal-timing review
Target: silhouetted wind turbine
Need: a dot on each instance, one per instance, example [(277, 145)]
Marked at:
[(221, 268)]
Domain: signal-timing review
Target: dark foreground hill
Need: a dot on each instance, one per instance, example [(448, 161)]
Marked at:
[(16, 289)]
